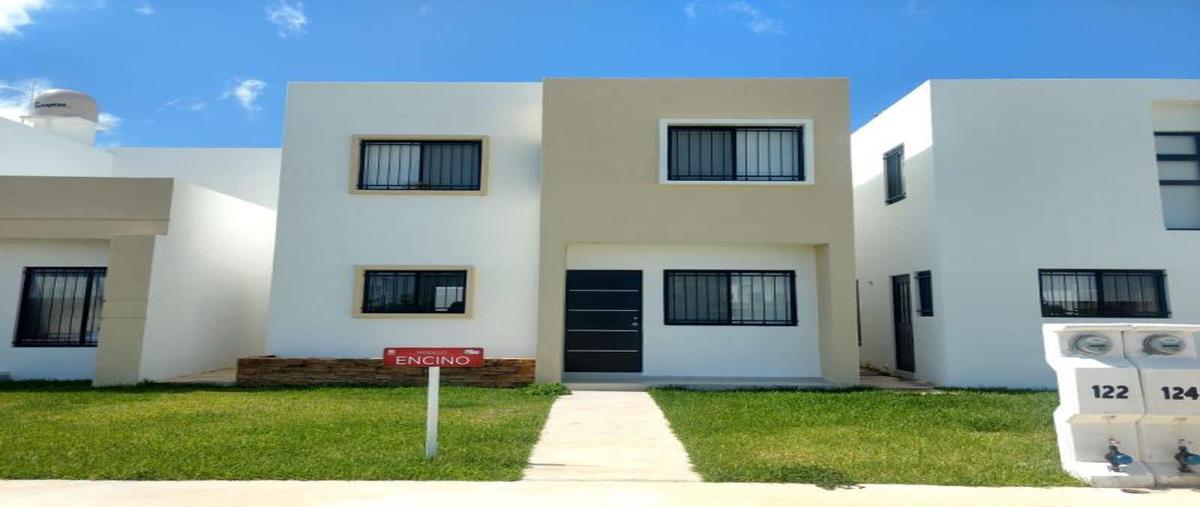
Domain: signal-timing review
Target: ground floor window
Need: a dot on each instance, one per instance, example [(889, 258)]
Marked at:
[(394, 291), (60, 307), (730, 298), (1103, 293)]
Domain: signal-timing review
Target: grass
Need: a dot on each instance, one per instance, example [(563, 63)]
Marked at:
[(838, 438), (68, 430)]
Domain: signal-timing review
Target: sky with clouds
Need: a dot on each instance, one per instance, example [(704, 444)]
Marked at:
[(215, 72)]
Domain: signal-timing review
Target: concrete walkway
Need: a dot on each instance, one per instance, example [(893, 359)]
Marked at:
[(608, 436), (553, 494)]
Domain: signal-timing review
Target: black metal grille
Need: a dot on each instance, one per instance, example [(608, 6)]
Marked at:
[(414, 292), (419, 165), (893, 164), (60, 307), (925, 293), (735, 154), (1179, 177), (730, 298), (1103, 293)]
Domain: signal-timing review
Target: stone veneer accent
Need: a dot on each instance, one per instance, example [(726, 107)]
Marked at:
[(305, 371)]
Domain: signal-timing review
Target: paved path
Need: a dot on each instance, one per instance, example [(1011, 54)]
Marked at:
[(553, 494), (608, 436)]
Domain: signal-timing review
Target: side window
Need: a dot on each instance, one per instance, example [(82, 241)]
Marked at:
[(1103, 293), (1178, 155), (893, 166), (60, 307), (925, 293)]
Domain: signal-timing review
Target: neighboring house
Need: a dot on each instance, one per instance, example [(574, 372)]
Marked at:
[(123, 265), (985, 208), (632, 230)]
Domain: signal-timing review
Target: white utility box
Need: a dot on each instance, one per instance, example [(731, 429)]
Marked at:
[(1100, 404), (1168, 363)]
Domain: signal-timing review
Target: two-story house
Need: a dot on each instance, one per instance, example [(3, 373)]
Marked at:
[(985, 208), (621, 230)]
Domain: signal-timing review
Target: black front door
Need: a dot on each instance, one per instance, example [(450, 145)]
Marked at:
[(902, 322), (604, 321)]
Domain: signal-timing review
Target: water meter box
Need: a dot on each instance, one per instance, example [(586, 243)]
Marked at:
[(1168, 362), (1100, 403)]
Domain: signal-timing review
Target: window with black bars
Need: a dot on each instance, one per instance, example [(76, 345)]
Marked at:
[(925, 293), (1178, 155), (711, 153), (414, 291), (60, 307), (420, 165), (729, 298), (893, 165), (1103, 293)]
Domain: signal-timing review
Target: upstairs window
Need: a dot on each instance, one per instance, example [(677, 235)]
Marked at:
[(893, 166), (416, 292), (1179, 178), (748, 154), (420, 165), (730, 298), (1103, 293), (925, 293), (60, 307)]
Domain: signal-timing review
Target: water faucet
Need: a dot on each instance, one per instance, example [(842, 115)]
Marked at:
[(1115, 458), (1186, 458)]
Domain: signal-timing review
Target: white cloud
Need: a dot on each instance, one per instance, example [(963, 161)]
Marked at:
[(191, 104), (108, 122), (143, 8), (246, 92), (288, 18), (758, 22), (15, 96), (689, 10), (16, 13)]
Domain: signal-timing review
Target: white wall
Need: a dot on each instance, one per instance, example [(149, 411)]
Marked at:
[(209, 284), (898, 238), (42, 362), (1047, 174), (26, 151), (251, 174), (325, 231), (716, 351)]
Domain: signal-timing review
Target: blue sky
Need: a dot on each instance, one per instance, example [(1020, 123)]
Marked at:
[(214, 72)]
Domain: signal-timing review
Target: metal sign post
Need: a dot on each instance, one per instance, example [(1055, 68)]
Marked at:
[(431, 412), (433, 358)]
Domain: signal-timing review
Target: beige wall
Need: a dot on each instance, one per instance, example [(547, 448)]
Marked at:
[(600, 183), (50, 207)]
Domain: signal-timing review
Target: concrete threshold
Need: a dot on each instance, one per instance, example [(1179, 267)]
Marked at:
[(635, 382)]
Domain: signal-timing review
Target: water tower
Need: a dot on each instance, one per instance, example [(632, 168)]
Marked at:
[(67, 113)]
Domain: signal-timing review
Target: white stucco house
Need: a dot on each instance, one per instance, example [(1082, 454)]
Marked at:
[(128, 264), (985, 208)]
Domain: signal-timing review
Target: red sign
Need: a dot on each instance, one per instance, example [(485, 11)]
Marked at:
[(427, 357)]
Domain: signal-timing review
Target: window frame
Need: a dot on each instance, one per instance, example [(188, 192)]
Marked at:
[(1159, 157), (807, 167), (794, 320), (87, 313), (924, 284), (1161, 291), (888, 197), (356, 151), (360, 278)]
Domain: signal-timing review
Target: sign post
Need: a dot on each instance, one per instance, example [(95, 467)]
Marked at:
[(433, 358)]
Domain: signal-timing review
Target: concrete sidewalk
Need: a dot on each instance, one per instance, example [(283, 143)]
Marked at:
[(552, 494), (608, 436)]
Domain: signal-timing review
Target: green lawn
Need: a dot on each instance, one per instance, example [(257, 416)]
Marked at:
[(67, 430), (833, 438)]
